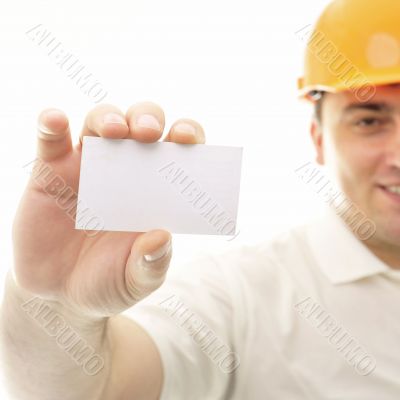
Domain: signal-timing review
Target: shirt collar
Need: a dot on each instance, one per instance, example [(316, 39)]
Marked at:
[(342, 257)]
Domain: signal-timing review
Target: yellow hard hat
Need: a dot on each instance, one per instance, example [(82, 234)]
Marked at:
[(355, 45)]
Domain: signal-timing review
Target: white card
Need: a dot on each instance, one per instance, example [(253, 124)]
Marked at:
[(126, 185)]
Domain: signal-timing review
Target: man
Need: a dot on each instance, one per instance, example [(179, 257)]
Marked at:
[(311, 315)]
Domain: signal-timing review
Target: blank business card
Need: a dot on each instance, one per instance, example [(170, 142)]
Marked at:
[(126, 185)]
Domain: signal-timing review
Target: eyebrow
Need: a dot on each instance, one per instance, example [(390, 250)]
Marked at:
[(367, 106)]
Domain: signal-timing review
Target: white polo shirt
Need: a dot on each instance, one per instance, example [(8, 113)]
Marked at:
[(312, 314)]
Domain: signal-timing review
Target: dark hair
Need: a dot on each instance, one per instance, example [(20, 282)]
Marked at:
[(318, 107)]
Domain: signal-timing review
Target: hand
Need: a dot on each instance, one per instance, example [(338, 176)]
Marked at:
[(103, 273)]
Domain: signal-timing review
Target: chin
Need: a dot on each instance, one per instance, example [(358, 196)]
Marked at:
[(388, 231)]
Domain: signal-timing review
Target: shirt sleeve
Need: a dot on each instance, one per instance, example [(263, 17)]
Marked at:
[(190, 320)]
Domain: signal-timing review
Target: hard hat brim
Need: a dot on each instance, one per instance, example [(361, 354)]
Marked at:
[(369, 83)]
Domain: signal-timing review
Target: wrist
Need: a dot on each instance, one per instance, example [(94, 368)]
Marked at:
[(49, 333)]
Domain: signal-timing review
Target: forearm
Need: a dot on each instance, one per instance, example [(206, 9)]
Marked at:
[(137, 369), (49, 352)]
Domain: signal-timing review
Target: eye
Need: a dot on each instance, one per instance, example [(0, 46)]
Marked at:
[(372, 124), (368, 122)]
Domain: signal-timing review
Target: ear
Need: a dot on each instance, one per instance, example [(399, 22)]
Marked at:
[(317, 138)]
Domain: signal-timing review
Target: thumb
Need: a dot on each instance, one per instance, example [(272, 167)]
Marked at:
[(54, 137), (148, 263)]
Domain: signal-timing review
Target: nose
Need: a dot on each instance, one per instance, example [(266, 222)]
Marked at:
[(394, 147)]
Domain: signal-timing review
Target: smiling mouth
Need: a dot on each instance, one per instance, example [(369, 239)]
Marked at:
[(392, 191)]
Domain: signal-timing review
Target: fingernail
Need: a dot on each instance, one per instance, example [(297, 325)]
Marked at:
[(148, 121), (185, 129), (160, 252), (43, 130), (114, 118)]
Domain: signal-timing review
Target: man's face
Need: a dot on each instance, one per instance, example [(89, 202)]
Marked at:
[(359, 142)]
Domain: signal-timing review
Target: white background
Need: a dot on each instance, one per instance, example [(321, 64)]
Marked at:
[(232, 66)]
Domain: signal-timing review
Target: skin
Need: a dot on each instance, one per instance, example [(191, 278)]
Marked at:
[(97, 276), (100, 276), (359, 143)]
